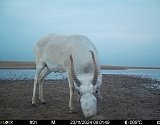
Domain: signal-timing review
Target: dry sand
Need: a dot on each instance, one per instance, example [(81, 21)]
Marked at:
[(124, 97)]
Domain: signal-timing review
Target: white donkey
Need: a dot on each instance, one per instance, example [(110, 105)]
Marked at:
[(77, 56)]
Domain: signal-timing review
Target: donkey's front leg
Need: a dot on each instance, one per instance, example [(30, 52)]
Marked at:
[(71, 104), (71, 90)]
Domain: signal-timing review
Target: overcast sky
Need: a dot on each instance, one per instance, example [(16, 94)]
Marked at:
[(125, 32)]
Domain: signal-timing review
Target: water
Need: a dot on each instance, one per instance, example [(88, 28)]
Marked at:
[(29, 74), (145, 73), (13, 74)]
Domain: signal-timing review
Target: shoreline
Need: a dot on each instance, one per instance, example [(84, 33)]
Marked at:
[(28, 74), (103, 75)]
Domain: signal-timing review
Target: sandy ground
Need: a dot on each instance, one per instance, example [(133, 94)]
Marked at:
[(124, 97)]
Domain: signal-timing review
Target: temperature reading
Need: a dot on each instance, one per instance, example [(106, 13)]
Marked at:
[(32, 122), (135, 122)]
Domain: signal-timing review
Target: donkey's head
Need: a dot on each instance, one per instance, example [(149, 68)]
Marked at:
[(87, 86)]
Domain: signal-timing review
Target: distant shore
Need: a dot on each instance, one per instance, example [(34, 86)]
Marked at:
[(17, 65), (32, 65)]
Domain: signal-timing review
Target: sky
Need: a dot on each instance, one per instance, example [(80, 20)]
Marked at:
[(125, 32)]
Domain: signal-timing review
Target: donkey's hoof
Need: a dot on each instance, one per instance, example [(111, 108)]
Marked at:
[(73, 111), (43, 101), (33, 104)]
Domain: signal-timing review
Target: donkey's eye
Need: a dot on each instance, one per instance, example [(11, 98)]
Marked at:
[(79, 93), (96, 91)]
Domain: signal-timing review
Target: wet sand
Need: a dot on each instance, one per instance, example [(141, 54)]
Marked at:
[(124, 97)]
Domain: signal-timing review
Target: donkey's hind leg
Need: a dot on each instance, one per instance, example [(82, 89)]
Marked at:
[(39, 68), (42, 75)]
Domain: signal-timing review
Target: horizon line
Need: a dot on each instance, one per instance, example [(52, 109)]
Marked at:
[(32, 65)]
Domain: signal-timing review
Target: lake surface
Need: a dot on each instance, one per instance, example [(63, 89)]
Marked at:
[(14, 74), (145, 73)]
